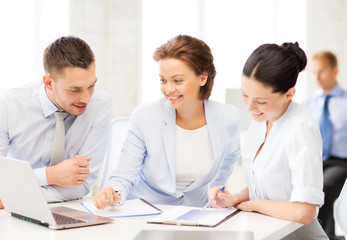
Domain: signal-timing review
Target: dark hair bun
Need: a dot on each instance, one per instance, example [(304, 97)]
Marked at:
[(298, 53)]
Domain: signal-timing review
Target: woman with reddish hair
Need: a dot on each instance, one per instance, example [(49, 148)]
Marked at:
[(179, 146)]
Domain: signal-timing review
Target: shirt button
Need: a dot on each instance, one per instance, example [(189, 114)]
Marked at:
[(182, 196)]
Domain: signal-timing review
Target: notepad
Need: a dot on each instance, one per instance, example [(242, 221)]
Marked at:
[(183, 215), (130, 208)]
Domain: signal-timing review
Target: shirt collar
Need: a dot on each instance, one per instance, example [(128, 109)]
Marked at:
[(335, 92), (47, 106), (280, 119)]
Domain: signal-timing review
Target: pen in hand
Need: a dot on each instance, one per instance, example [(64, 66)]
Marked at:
[(210, 201), (117, 193)]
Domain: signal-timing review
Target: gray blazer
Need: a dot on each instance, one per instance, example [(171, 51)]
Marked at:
[(146, 167)]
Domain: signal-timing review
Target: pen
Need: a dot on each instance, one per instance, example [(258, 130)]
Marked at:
[(210, 201), (115, 194)]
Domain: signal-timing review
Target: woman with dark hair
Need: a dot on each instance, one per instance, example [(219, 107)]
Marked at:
[(179, 146), (282, 151)]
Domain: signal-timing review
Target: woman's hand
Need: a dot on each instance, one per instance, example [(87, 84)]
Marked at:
[(246, 206), (221, 199), (292, 211)]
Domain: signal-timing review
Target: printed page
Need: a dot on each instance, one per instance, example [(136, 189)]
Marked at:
[(130, 208)]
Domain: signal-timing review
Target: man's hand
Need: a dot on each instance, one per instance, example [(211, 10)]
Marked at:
[(68, 173), (1, 205), (106, 197)]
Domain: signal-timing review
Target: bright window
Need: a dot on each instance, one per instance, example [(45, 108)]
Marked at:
[(27, 27), (233, 29)]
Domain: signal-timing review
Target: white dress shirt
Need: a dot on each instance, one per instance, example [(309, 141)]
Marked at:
[(289, 165), (27, 125)]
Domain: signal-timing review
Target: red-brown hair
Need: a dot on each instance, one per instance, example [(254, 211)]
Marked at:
[(195, 53)]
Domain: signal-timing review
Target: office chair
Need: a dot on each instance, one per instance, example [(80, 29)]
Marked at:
[(120, 128)]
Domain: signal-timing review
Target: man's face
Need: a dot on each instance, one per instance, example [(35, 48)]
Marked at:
[(71, 89), (324, 74)]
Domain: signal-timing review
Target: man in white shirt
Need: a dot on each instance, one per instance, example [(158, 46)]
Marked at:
[(27, 121)]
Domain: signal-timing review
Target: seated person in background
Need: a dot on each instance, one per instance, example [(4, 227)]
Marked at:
[(341, 209), (28, 115), (182, 144), (328, 106), (281, 153)]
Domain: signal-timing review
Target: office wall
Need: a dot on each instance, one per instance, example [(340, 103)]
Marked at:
[(326, 30), (113, 30)]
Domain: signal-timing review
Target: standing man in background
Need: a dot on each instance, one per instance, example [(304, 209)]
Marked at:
[(61, 125), (328, 106)]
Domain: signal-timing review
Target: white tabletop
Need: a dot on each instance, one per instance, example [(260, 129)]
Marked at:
[(263, 227)]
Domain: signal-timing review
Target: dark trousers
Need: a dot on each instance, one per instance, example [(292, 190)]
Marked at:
[(335, 174)]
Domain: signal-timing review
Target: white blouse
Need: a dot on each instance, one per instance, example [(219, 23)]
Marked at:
[(289, 165), (193, 155)]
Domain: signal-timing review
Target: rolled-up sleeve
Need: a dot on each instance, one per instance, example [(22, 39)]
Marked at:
[(41, 176), (306, 168)]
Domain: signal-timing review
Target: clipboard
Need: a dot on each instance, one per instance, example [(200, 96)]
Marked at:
[(150, 234), (129, 208), (192, 216)]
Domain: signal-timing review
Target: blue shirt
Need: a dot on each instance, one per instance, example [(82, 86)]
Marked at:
[(338, 117), (27, 125)]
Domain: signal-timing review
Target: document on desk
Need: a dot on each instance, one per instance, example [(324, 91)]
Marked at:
[(190, 216), (130, 208)]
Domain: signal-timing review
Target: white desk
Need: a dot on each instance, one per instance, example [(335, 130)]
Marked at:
[(262, 226)]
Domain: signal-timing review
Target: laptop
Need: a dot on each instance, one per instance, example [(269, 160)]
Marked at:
[(23, 198), (189, 235)]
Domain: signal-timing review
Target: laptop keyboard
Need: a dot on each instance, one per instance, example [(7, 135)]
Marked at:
[(62, 220)]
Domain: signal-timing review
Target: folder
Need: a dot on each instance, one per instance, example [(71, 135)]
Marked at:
[(129, 208), (192, 216), (151, 234)]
